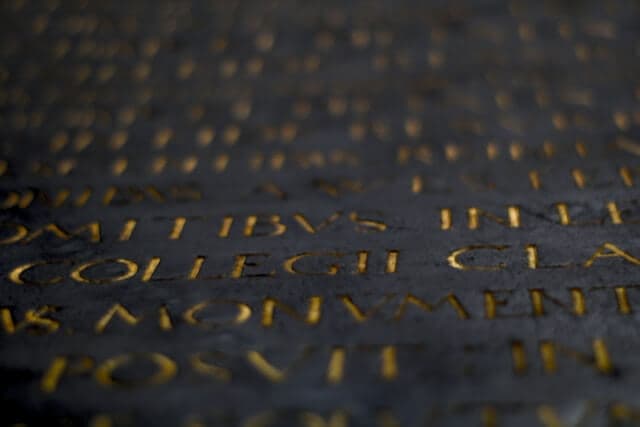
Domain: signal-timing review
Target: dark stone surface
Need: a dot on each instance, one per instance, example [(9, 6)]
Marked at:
[(336, 89)]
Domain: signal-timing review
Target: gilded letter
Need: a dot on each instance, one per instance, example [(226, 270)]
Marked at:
[(313, 316), (332, 269), (335, 370), (271, 220), (311, 419), (93, 229), (310, 228), (61, 366), (241, 262), (450, 298), (455, 263), (166, 370), (201, 366), (600, 359), (19, 233), (357, 312), (16, 275), (539, 295), (131, 268), (33, 321), (365, 225), (491, 304), (613, 251), (513, 217), (243, 313), (267, 369), (116, 310)]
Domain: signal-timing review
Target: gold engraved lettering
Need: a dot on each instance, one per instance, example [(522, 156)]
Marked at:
[(425, 306), (392, 262), (389, 367), (548, 416), (563, 213), (365, 225), (608, 250), (311, 229), (417, 184), (513, 214), (264, 419), (119, 166), (626, 175), (581, 149), (624, 307), (445, 219), (202, 367), (93, 229), (164, 319), (600, 359), (331, 270), (532, 256), (243, 313), (533, 259), (16, 275), (131, 194), (614, 213), (363, 262), (337, 419), (127, 230), (109, 195), (455, 263), (150, 269), (357, 313), (516, 151), (7, 320), (158, 164), (491, 304), (335, 370), (579, 178), (20, 200), (116, 310), (539, 295), (198, 262), (519, 357), (101, 420), (178, 227), (492, 151), (265, 368), (131, 268), (61, 366), (34, 321), (166, 370), (387, 419), (241, 262), (227, 222), (489, 416), (623, 412), (271, 220), (273, 374), (313, 316), (20, 232), (421, 153)]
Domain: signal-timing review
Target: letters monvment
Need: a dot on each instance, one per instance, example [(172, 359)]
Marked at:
[(279, 213)]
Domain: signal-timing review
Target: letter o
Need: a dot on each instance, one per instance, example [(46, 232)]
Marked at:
[(244, 311), (166, 370), (132, 269)]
